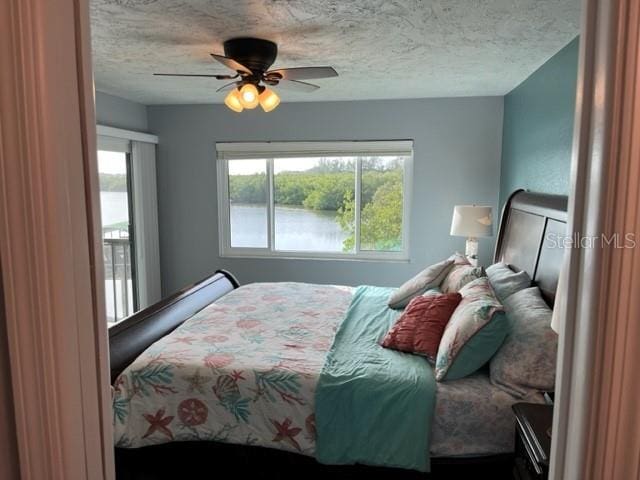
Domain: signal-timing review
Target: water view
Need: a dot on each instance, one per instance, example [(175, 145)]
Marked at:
[(114, 207), (297, 229)]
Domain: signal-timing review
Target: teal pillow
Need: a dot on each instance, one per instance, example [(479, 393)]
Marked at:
[(474, 333), (480, 348)]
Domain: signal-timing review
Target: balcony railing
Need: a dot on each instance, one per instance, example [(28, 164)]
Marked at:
[(119, 291)]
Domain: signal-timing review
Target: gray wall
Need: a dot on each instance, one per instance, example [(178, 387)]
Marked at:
[(457, 160), (117, 112), (538, 127)]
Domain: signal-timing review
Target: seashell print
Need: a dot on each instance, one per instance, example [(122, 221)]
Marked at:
[(226, 389), (246, 308), (218, 360), (248, 323)]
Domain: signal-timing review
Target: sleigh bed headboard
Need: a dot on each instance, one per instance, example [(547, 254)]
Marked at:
[(531, 231)]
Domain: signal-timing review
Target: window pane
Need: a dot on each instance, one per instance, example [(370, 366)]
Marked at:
[(381, 204), (314, 204), (248, 203), (114, 207), (114, 198)]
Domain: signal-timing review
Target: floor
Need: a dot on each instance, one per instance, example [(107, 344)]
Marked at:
[(200, 460)]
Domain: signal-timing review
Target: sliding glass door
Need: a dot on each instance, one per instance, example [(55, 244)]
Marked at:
[(116, 205)]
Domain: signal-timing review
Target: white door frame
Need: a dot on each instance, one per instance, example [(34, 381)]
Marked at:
[(50, 245), (50, 248), (595, 431)]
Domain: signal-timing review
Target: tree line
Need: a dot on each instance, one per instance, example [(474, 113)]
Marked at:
[(113, 182), (332, 187)]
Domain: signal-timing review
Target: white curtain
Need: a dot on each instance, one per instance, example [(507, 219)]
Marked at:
[(145, 220)]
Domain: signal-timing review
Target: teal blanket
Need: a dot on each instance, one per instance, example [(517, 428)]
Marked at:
[(373, 405)]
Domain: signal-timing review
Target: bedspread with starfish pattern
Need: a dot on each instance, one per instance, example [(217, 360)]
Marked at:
[(242, 370)]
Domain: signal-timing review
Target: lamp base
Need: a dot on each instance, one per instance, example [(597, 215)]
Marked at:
[(471, 251)]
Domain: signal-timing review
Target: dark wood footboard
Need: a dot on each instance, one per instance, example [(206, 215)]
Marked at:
[(130, 337)]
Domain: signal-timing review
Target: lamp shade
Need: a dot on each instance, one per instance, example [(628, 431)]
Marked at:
[(472, 221)]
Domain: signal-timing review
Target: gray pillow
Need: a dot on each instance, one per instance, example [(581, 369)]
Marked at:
[(506, 282), (428, 278), (526, 360)]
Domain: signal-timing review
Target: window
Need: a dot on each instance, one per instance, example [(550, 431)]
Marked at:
[(314, 199), (116, 206)]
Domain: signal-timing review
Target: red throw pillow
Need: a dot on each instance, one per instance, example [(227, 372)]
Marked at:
[(421, 325)]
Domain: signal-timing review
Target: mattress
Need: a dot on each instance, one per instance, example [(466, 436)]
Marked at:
[(244, 370)]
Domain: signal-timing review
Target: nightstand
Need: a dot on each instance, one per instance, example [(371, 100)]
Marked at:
[(533, 443)]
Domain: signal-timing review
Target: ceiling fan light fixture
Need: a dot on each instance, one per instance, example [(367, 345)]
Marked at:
[(269, 100), (234, 101), (249, 96)]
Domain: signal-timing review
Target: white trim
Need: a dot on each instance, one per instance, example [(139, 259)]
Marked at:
[(246, 150), (407, 200), (126, 134), (358, 203), (50, 248), (271, 207), (114, 144), (263, 253), (236, 151), (592, 313)]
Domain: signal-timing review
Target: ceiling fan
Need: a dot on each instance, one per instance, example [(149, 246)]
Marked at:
[(251, 58)]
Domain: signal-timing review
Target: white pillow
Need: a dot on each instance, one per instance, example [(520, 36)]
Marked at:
[(505, 281), (428, 278)]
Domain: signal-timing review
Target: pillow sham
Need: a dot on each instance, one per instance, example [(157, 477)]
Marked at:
[(506, 282), (420, 327), (474, 333), (527, 359), (428, 278), (460, 274)]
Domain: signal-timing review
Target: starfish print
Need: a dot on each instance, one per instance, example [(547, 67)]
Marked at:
[(186, 340), (158, 422), (237, 375), (197, 382), (285, 433)]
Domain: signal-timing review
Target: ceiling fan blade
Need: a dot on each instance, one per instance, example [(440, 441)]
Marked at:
[(296, 85), (226, 87), (217, 77), (231, 63), (303, 73)]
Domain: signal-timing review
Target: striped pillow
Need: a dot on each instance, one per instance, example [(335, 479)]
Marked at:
[(459, 276)]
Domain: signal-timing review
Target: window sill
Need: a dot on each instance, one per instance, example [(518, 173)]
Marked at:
[(316, 257)]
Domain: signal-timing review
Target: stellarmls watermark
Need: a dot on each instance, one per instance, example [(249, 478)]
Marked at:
[(615, 240)]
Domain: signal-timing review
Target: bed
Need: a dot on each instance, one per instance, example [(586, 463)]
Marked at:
[(260, 349)]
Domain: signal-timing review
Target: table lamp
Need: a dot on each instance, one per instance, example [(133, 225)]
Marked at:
[(472, 221)]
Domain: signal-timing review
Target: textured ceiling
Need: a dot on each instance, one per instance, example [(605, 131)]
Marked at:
[(380, 48)]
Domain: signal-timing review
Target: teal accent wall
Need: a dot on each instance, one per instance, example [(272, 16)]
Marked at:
[(538, 127)]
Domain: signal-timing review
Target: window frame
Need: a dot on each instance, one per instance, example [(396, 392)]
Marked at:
[(268, 151)]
